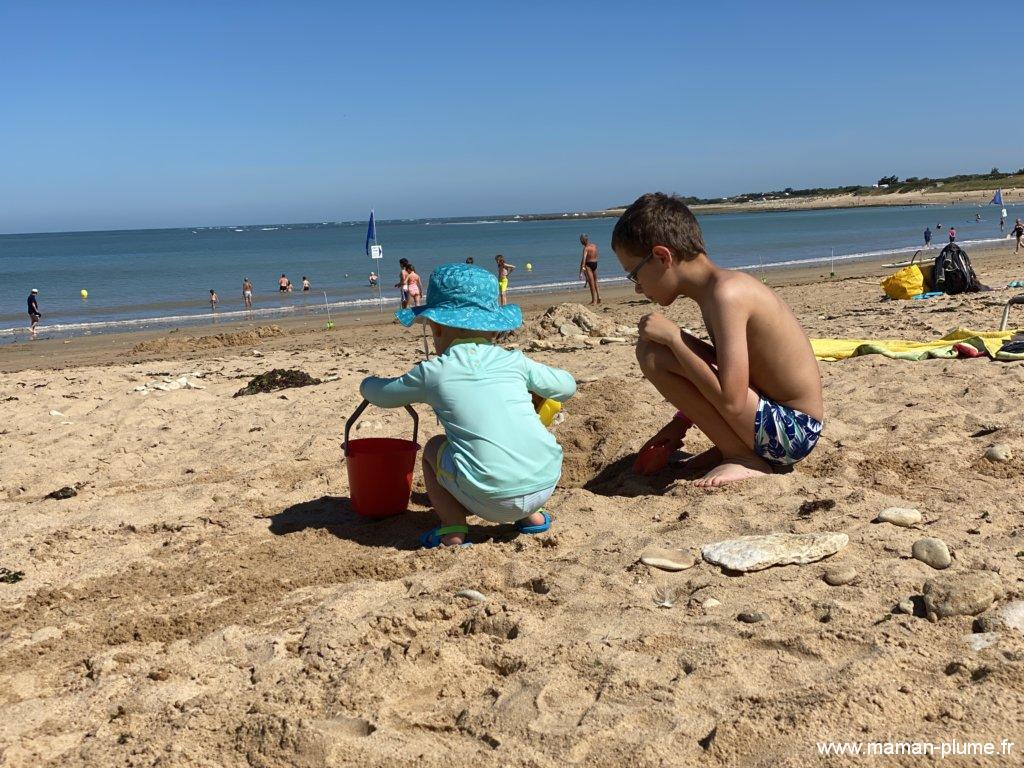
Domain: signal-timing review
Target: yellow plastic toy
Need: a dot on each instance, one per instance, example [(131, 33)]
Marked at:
[(83, 293), (548, 410)]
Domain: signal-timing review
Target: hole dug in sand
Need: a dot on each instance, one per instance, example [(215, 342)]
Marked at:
[(606, 422)]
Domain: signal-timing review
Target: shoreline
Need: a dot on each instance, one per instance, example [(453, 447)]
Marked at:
[(341, 308), (309, 329)]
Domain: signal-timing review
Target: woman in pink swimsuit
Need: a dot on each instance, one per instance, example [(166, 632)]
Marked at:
[(413, 285)]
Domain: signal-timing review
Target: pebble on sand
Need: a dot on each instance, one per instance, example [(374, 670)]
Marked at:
[(710, 603), (472, 595), (901, 516), (953, 595), (754, 553), (750, 617), (667, 559), (839, 575), (933, 552), (1013, 615), (979, 641), (999, 452)]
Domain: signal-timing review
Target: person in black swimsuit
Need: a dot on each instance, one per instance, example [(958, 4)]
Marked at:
[(588, 268)]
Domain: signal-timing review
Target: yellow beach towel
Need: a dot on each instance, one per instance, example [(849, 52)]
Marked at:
[(988, 342)]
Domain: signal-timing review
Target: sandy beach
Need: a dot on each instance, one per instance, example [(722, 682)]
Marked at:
[(206, 596)]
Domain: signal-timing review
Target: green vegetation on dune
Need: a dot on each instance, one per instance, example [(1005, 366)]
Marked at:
[(887, 185)]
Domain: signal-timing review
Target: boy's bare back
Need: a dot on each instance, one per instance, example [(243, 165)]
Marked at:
[(782, 365)]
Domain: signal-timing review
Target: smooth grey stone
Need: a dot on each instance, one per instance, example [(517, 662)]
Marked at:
[(901, 516), (999, 452), (667, 559), (840, 575), (933, 552), (750, 617), (960, 595)]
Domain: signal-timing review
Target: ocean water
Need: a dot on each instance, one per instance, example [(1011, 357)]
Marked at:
[(153, 278)]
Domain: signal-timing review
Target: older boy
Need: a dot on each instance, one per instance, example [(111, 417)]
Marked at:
[(756, 393)]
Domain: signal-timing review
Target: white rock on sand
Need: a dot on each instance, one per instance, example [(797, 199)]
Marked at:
[(1013, 615), (754, 553), (901, 516), (933, 552), (667, 559), (999, 452)]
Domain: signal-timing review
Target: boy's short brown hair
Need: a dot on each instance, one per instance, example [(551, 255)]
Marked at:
[(658, 219)]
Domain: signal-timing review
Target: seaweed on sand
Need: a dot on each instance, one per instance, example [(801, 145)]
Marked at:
[(278, 378)]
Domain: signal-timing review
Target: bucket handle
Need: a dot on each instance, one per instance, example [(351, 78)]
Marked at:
[(359, 412)]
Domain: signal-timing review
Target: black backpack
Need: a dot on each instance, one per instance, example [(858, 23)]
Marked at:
[(953, 272)]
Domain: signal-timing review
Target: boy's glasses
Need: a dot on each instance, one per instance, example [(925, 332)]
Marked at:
[(632, 275)]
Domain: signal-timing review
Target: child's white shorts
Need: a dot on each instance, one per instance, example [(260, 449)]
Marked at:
[(507, 510)]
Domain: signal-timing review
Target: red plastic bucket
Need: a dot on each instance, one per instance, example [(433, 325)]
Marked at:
[(380, 470)]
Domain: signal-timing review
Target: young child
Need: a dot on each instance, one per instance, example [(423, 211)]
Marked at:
[(496, 460), (213, 300), (756, 392), (504, 270)]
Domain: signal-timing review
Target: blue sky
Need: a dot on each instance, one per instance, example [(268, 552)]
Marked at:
[(133, 115)]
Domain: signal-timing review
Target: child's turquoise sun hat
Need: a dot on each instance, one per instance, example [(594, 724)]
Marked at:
[(464, 296)]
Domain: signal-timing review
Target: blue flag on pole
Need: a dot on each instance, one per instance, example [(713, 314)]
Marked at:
[(371, 234), (997, 199)]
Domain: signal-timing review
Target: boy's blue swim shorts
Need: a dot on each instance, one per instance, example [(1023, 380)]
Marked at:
[(783, 435)]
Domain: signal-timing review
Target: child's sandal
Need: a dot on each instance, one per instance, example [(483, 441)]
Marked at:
[(432, 538), (533, 529)]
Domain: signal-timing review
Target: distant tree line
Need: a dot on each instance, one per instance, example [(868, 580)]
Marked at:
[(888, 184)]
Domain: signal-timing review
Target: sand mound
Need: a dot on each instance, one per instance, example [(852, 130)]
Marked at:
[(567, 320), (175, 345)]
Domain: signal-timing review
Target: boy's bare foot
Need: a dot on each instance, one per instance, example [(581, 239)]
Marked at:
[(733, 471), (697, 466)]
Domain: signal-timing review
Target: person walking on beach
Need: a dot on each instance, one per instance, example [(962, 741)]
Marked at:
[(927, 236), (213, 300), (504, 270), (952, 234), (403, 276), (1018, 233), (413, 285), (588, 268), (247, 292), (33, 310)]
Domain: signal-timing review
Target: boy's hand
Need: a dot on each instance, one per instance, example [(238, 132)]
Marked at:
[(659, 329)]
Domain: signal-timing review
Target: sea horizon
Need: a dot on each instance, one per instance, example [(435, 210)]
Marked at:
[(154, 277)]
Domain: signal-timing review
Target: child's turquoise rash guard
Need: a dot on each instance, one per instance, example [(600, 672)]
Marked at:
[(481, 394)]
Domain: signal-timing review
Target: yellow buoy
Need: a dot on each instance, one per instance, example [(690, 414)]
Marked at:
[(529, 266), (83, 293)]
